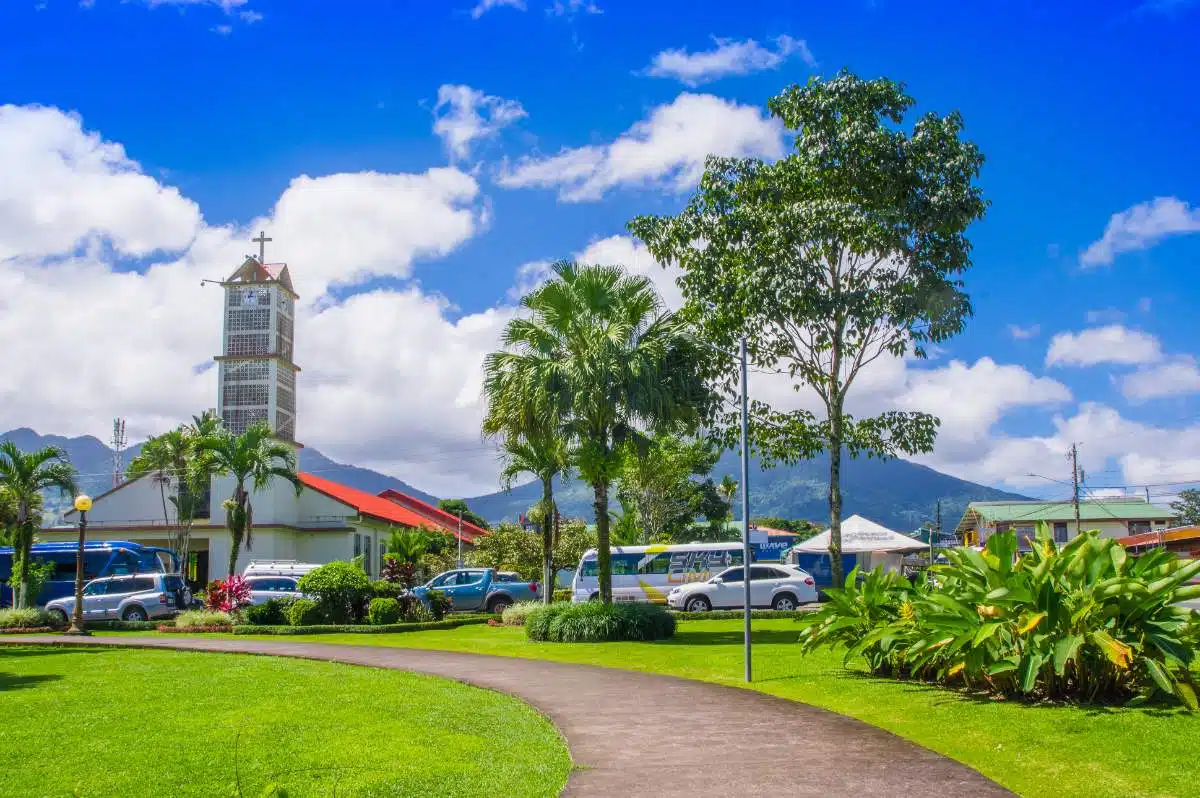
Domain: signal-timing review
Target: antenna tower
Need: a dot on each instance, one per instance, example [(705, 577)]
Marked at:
[(118, 446)]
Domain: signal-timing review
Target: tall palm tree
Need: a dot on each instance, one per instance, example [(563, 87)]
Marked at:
[(254, 459), (544, 454), (596, 350), (24, 475), (165, 459)]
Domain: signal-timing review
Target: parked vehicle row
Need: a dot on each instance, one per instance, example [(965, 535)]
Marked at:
[(138, 597)]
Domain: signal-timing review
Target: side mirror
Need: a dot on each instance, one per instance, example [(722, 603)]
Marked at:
[(716, 580)]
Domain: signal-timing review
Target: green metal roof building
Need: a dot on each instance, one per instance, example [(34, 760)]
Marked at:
[(1114, 518)]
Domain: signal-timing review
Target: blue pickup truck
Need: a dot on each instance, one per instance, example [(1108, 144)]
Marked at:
[(474, 589)]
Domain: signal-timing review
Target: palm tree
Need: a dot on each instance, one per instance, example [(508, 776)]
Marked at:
[(596, 350), (164, 458), (253, 457), (23, 476), (727, 488), (544, 454)]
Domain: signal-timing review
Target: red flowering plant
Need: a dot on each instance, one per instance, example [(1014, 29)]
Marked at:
[(227, 595)]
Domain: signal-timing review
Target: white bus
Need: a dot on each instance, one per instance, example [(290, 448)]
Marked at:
[(647, 573)]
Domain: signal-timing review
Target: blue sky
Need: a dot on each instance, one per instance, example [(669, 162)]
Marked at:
[(1084, 110)]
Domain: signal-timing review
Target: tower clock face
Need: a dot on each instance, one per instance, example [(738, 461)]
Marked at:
[(249, 298)]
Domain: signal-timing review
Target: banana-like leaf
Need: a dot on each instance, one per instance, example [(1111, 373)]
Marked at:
[(1187, 694), (1117, 652), (1003, 666), (986, 631), (996, 594), (1030, 665), (1160, 676), (1064, 652), (1184, 593), (1031, 623)]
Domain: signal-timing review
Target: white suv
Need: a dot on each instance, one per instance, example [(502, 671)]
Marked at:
[(778, 587), (136, 597)]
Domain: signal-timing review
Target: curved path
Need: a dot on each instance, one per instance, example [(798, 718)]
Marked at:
[(633, 734)]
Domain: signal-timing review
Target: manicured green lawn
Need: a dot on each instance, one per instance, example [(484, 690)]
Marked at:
[(1056, 751), (94, 722)]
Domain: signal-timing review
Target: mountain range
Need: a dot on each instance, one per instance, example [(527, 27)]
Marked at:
[(896, 493)]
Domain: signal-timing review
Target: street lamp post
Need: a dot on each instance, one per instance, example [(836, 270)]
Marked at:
[(83, 503)]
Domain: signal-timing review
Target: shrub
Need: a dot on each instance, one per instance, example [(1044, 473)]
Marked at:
[(515, 614), (340, 587), (385, 589), (593, 622), (30, 618), (272, 612), (561, 595), (305, 612), (1084, 621), (202, 618), (227, 595), (438, 603), (384, 611)]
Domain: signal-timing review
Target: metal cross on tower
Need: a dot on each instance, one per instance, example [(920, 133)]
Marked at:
[(262, 245)]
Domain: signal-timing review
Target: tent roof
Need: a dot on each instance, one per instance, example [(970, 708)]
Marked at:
[(860, 535)]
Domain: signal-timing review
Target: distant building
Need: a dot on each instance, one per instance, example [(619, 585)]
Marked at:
[(1182, 540), (257, 380), (1114, 518)]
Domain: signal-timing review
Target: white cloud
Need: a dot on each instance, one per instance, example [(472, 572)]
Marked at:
[(730, 57), (111, 341), (666, 149), (1111, 344), (1179, 376), (222, 30), (464, 115), (485, 6), (1105, 316), (1023, 333), (1140, 227), (228, 6), (569, 8)]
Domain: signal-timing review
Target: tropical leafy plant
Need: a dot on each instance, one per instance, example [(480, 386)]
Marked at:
[(227, 595), (1084, 621), (203, 619), (23, 478), (594, 622)]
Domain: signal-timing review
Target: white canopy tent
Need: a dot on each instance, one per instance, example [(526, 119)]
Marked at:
[(875, 544)]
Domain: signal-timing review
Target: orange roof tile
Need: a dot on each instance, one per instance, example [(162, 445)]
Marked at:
[(376, 507), (435, 515)]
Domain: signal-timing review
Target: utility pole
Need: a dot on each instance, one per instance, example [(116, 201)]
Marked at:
[(1147, 494), (1074, 457), (745, 508)]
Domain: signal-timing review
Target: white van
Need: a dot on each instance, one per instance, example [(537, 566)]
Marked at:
[(292, 568), (648, 573)]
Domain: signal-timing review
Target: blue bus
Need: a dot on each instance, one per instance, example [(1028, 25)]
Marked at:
[(100, 558)]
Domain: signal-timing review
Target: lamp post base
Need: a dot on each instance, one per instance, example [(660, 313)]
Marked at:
[(77, 632)]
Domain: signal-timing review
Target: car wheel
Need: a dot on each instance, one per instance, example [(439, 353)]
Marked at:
[(594, 597), (59, 616), (498, 605), (134, 614), (784, 602), (697, 604)]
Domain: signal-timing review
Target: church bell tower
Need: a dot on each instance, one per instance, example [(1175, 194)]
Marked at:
[(257, 379)]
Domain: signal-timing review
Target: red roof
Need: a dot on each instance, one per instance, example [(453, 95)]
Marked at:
[(378, 507), (434, 515)]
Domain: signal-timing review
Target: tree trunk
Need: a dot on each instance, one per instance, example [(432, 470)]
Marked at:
[(835, 498), (22, 543), (548, 515), (237, 526), (603, 555)]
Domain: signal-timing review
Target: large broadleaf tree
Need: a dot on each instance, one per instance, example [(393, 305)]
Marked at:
[(849, 249)]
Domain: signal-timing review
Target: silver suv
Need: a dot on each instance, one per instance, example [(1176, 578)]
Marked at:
[(136, 597)]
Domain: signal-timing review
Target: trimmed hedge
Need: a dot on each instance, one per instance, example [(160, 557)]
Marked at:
[(384, 612), (726, 615), (304, 612), (330, 629), (593, 622), (202, 619), (272, 612), (31, 618), (122, 626)]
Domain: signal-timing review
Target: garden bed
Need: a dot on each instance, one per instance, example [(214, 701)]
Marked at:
[(215, 628), (329, 629), (28, 630), (122, 626)]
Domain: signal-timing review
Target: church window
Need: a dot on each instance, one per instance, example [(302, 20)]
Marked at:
[(245, 370), (238, 419), (242, 319), (284, 399), (249, 344), (252, 394)]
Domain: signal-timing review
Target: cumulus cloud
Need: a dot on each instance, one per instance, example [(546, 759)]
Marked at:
[(1179, 376), (729, 57), (667, 149), (570, 8), (464, 115), (1111, 344), (1140, 227), (485, 6)]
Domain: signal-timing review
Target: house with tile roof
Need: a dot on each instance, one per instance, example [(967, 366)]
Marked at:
[(325, 521), (1114, 518)]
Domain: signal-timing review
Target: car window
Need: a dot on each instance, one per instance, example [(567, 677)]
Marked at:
[(95, 588), (119, 587), (445, 580), (732, 575), (286, 585), (260, 583), (470, 577), (173, 583), (758, 573), (143, 584)]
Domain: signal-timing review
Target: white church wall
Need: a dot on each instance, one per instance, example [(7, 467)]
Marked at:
[(136, 503), (317, 509), (275, 505), (323, 547)]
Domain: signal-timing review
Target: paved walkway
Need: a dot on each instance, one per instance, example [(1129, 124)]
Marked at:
[(634, 734)]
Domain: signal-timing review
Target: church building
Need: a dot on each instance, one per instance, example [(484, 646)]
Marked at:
[(256, 381)]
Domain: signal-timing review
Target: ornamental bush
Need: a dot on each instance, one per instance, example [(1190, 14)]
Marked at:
[(1084, 621), (306, 612), (272, 612), (340, 587), (384, 611), (593, 622), (515, 614), (202, 619), (227, 595), (385, 589), (438, 604), (29, 618)]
